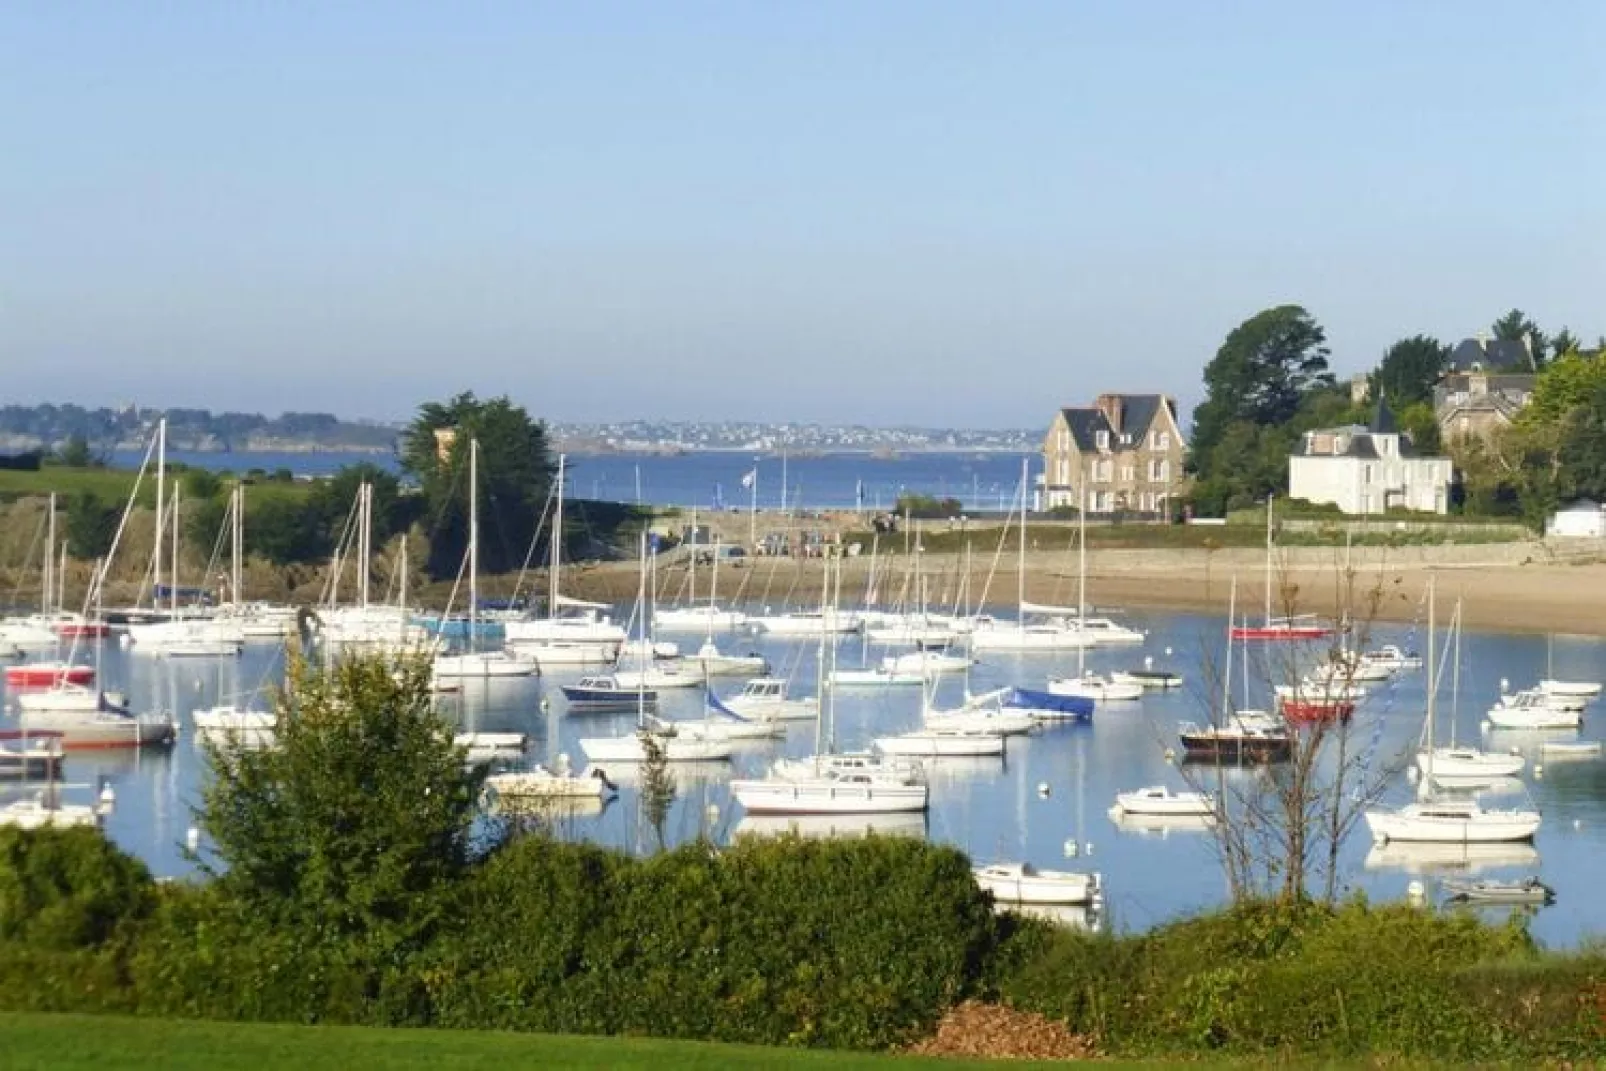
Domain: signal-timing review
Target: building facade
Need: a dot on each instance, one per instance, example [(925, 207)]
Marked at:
[(1125, 450), (1364, 470), (1485, 384)]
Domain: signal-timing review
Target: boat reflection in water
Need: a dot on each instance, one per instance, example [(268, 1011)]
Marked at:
[(549, 808), (1161, 825), (1071, 916), (1426, 857), (833, 826)]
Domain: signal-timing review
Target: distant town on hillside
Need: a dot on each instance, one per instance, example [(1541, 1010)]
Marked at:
[(48, 426)]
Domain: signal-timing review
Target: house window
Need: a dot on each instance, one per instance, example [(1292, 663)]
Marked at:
[(1128, 473), (1165, 440), (1159, 471), (1102, 440), (1101, 471)]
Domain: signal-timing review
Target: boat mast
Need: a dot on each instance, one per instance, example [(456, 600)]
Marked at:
[(557, 545), (821, 677), (172, 580), (1081, 583), (1433, 682), (1020, 580), (1268, 561), (1226, 674), (473, 540), (49, 592), (161, 511), (1455, 668), (237, 579), (365, 539), (641, 611), (713, 589), (696, 541)]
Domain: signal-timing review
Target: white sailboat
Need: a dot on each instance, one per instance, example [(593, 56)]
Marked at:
[(1454, 820), (829, 783), (708, 617), (471, 663), (574, 632), (1460, 764), (1158, 800), (988, 634), (1090, 685)]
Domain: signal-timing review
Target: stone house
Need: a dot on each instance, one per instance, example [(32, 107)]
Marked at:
[(1127, 449), (1484, 385)]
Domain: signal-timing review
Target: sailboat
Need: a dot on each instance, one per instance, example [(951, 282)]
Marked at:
[(1241, 735), (1453, 820), (706, 617), (689, 743), (45, 674), (829, 782), (709, 659), (574, 632), (1454, 763), (1302, 627), (1019, 635), (1094, 686), (472, 663)]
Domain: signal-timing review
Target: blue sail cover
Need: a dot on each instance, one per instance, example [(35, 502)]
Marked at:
[(1066, 706), (720, 708)]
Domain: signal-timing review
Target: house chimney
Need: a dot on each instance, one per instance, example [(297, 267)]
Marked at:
[(1111, 406)]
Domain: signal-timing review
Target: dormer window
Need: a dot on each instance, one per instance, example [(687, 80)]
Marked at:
[(1102, 439)]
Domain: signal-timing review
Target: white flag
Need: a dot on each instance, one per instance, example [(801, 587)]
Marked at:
[(747, 480)]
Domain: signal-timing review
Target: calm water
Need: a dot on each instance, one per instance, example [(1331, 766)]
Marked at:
[(714, 480), (991, 809)]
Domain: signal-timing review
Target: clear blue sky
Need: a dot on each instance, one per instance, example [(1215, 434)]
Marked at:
[(943, 213)]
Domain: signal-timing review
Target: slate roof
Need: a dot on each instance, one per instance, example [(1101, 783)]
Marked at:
[(1138, 413), (1383, 418), (1492, 355)]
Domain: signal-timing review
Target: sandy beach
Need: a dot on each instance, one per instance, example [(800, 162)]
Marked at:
[(1523, 587)]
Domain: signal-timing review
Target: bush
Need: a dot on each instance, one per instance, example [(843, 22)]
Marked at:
[(927, 507), (68, 889)]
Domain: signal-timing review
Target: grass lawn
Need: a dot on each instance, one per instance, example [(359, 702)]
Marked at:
[(79, 1041)]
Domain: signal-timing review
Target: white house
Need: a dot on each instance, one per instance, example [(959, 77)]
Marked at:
[(1368, 470), (1583, 519)]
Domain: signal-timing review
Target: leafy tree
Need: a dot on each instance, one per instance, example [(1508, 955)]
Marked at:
[(1515, 326), (76, 454), (91, 526), (515, 474), (1565, 343), (927, 506), (1421, 424), (201, 483), (1259, 377), (283, 531), (355, 826), (1409, 370)]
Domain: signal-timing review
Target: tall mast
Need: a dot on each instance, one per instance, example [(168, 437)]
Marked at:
[(365, 540), (473, 539), (1268, 561), (1081, 582), (161, 511), (691, 596), (641, 628), (1020, 580), (237, 564), (1433, 680), (49, 593), (557, 545), (1455, 669), (172, 581), (713, 592), (1226, 674)]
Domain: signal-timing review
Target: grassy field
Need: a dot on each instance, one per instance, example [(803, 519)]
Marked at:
[(112, 485), (77, 1041)]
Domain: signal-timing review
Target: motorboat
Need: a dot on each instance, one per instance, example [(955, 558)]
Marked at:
[(1095, 686), (827, 786), (1453, 821), (1346, 668), (542, 783), (1529, 890), (936, 742), (1247, 736), (234, 719), (807, 622), (1160, 800), (1104, 632), (659, 676), (37, 813), (1531, 709), (1392, 658), (765, 698), (678, 742), (1467, 763), (48, 674), (602, 692), (29, 756), (1311, 702), (1147, 678), (485, 664), (1022, 883)]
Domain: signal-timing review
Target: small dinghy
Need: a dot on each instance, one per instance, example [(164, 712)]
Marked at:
[(1529, 890), (1147, 678)]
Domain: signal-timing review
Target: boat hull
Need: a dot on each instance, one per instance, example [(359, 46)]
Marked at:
[(1278, 633), (1488, 829), (48, 675), (937, 745), (676, 749), (827, 796), (1226, 747), (1042, 888)]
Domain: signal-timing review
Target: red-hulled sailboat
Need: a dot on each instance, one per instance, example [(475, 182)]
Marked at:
[(1304, 627)]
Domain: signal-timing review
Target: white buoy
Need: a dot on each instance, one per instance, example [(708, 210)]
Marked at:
[(1087, 849), (192, 839), (1168, 652), (1148, 661), (108, 795), (1505, 685), (713, 814), (1416, 892), (1042, 789), (1070, 848)]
